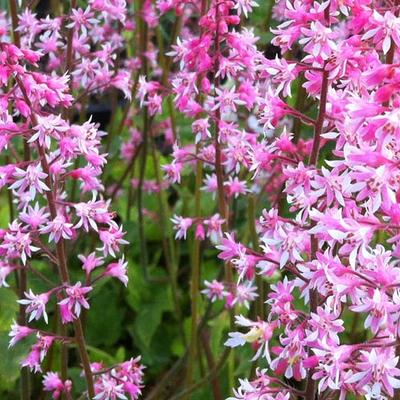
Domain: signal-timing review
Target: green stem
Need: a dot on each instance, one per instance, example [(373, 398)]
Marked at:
[(195, 279), (216, 387), (143, 33), (168, 242), (212, 374), (254, 239)]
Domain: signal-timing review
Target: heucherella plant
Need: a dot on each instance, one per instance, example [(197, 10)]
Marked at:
[(331, 260), (48, 157), (263, 164)]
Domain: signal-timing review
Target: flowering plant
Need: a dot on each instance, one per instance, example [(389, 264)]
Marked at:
[(231, 164)]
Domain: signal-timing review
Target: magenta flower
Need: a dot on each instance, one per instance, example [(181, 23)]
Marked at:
[(38, 353), (378, 372), (90, 262), (17, 244), (111, 239), (52, 383), (118, 270), (215, 290), (181, 225), (379, 308), (30, 180), (71, 305), (18, 333), (58, 228), (36, 305), (35, 216)]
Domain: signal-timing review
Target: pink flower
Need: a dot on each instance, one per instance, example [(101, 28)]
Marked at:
[(386, 30), (379, 308), (324, 326), (48, 126), (200, 129), (118, 270), (227, 100), (17, 244), (91, 213), (30, 180), (58, 228), (82, 19), (235, 187), (378, 371), (111, 239), (214, 225), (18, 333), (5, 270), (71, 306), (90, 262), (36, 305), (259, 333), (34, 216), (173, 172), (319, 39), (38, 353), (245, 6), (181, 225), (244, 294), (109, 388), (291, 356), (53, 383), (215, 290)]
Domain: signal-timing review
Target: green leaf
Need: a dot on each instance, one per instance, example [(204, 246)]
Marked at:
[(120, 355), (149, 317), (8, 308), (218, 325), (100, 355), (105, 318), (10, 359)]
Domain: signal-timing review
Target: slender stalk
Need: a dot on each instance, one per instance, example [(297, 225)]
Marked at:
[(164, 79), (168, 242), (389, 60), (319, 124), (22, 276), (175, 369), (69, 59), (195, 278), (254, 239), (300, 100), (60, 249), (25, 374), (219, 171), (130, 196), (69, 56), (143, 33), (125, 174), (216, 387), (14, 20), (212, 374)]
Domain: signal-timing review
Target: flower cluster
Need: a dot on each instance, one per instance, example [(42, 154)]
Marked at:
[(49, 157), (334, 255), (280, 159)]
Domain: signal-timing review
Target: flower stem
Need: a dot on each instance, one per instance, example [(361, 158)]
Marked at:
[(22, 278), (195, 278), (319, 124), (60, 249)]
